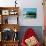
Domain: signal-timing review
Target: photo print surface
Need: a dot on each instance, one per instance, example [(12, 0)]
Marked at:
[(30, 12)]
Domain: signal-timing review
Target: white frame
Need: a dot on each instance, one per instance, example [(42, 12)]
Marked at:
[(5, 12)]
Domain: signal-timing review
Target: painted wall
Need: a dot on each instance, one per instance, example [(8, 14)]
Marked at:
[(32, 4), (6, 3), (27, 4)]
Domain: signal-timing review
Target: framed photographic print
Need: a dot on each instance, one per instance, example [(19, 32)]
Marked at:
[(13, 12), (30, 12), (5, 12)]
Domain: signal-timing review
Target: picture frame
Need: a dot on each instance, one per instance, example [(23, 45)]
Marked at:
[(29, 12), (5, 12), (12, 12)]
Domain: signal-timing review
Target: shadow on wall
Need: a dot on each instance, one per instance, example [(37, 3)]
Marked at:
[(37, 29)]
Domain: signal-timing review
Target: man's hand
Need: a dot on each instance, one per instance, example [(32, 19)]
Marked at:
[(32, 41)]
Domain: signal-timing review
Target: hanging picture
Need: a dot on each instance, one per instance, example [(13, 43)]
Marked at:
[(5, 12), (30, 12)]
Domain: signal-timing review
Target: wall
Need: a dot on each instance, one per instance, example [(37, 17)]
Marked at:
[(6, 3), (27, 4), (32, 4)]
